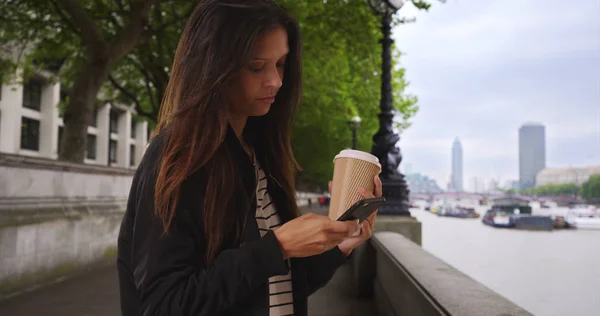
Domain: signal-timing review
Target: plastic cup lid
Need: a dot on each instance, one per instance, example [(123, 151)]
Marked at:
[(357, 154)]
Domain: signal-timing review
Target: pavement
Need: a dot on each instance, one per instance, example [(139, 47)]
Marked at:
[(96, 293)]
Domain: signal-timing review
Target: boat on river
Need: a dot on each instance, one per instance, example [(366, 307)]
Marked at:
[(515, 212), (498, 218), (585, 217), (459, 212)]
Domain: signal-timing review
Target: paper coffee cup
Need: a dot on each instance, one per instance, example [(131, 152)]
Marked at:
[(352, 169)]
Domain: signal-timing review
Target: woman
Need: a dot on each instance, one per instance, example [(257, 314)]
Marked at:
[(212, 226)]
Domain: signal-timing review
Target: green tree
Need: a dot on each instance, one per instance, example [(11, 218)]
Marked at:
[(567, 189), (341, 79), (590, 190), (142, 76), (89, 37), (342, 62)]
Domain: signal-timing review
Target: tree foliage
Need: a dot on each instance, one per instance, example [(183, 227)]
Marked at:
[(342, 62), (82, 38), (342, 78), (590, 189), (567, 189)]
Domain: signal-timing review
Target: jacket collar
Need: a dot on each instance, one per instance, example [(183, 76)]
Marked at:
[(245, 164), (234, 144)]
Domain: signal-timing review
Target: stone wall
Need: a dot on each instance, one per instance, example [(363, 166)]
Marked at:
[(404, 279), (56, 218)]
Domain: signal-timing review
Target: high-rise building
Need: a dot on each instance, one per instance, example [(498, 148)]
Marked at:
[(457, 166), (493, 185), (532, 153)]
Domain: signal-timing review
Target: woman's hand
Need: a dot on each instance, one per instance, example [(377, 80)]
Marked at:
[(312, 234), (366, 227)]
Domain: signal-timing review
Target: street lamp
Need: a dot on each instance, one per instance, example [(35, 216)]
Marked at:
[(354, 123), (395, 188)]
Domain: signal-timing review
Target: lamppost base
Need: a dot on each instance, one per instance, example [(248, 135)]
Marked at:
[(395, 191)]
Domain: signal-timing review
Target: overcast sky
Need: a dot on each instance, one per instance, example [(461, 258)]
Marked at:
[(482, 68)]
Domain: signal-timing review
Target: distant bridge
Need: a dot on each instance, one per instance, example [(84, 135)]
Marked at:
[(560, 200)]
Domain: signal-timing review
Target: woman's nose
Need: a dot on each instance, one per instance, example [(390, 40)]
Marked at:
[(274, 79)]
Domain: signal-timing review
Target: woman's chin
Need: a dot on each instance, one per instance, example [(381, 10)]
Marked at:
[(260, 111)]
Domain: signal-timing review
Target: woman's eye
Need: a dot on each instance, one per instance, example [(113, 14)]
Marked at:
[(255, 69), (282, 65)]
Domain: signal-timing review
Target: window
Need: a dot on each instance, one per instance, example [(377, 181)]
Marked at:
[(32, 94), (30, 134), (132, 155), (133, 128), (91, 147), (112, 152), (114, 122), (60, 134)]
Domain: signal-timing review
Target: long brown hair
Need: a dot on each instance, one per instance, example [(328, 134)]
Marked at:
[(218, 40)]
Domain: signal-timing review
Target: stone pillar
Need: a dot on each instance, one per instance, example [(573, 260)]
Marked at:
[(49, 120), (103, 134), (407, 226), (124, 126), (141, 132), (10, 118)]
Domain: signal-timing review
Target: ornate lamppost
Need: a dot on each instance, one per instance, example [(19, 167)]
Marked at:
[(395, 188), (354, 123)]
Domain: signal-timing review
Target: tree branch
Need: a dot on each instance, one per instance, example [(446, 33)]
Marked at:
[(82, 21), (65, 19), (148, 81), (108, 16), (130, 34), (173, 21), (138, 106), (121, 6)]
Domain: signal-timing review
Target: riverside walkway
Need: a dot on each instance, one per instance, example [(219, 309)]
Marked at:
[(95, 292)]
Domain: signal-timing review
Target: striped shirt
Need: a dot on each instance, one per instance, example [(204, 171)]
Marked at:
[(281, 301)]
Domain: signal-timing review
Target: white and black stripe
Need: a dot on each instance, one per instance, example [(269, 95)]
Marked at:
[(281, 299)]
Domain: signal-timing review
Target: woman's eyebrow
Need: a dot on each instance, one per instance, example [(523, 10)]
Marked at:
[(267, 59)]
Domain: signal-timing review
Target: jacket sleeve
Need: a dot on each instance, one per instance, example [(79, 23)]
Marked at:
[(321, 268), (169, 271)]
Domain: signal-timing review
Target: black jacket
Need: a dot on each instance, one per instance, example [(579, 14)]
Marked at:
[(167, 275)]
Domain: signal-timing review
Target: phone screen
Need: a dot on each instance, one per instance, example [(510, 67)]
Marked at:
[(362, 209)]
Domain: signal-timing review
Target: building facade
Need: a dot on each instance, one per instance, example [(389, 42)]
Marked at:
[(31, 125), (532, 153), (457, 166), (419, 183), (566, 175)]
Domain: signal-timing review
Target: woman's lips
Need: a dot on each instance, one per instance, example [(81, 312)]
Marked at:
[(268, 100)]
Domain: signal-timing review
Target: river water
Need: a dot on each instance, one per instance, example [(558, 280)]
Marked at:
[(547, 273)]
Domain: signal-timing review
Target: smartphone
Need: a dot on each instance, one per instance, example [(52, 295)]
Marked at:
[(362, 209)]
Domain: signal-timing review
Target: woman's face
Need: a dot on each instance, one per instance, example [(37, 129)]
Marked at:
[(256, 85)]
